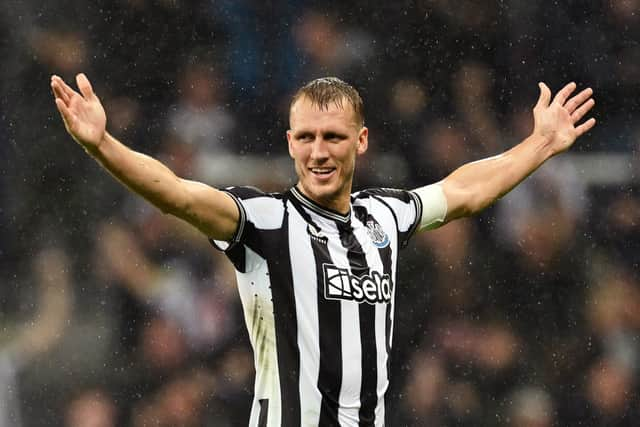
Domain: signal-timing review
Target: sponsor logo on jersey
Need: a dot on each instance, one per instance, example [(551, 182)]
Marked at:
[(340, 284), (377, 234)]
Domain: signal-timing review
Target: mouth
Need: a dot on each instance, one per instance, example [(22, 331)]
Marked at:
[(322, 173)]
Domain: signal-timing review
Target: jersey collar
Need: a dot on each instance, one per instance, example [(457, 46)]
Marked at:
[(320, 210)]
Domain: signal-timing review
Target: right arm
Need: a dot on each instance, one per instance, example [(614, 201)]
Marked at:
[(211, 211)]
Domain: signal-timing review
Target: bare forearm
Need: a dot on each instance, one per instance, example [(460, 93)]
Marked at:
[(141, 173), (476, 185), (211, 211)]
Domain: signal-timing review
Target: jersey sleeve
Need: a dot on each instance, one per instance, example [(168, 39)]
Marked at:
[(406, 207), (259, 213)]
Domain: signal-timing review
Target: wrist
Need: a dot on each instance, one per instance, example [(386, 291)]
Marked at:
[(95, 150), (543, 145)]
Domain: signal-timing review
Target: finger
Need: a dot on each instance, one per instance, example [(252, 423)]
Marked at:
[(85, 87), (67, 115), (545, 95), (582, 110), (59, 92), (577, 100), (585, 127), (68, 90), (561, 97)]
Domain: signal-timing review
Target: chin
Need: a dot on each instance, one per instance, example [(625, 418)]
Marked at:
[(324, 194)]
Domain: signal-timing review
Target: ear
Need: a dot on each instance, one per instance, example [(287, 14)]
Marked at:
[(290, 143), (363, 141)]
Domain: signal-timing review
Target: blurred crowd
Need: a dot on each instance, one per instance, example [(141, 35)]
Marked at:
[(114, 314)]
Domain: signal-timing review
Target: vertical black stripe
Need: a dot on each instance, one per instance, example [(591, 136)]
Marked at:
[(329, 331), (238, 256), (286, 325), (386, 256), (368, 389), (330, 337), (264, 412), (367, 314)]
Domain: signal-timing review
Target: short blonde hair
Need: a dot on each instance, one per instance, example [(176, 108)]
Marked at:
[(323, 91)]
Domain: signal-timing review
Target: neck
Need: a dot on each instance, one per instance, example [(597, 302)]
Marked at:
[(340, 203)]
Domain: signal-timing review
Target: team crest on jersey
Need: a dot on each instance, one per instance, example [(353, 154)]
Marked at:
[(377, 234), (340, 284)]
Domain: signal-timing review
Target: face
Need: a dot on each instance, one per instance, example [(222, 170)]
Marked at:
[(324, 145)]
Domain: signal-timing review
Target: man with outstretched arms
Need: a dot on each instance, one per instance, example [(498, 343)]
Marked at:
[(316, 265)]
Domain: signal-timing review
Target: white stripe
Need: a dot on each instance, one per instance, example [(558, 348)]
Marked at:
[(266, 213), (348, 414), (383, 380), (255, 293), (404, 211), (349, 399), (304, 286)]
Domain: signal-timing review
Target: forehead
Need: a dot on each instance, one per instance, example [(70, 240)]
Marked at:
[(305, 113)]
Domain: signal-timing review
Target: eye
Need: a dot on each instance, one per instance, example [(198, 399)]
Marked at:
[(334, 137), (304, 137)]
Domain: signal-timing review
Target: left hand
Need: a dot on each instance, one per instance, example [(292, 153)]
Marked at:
[(556, 121), (82, 113)]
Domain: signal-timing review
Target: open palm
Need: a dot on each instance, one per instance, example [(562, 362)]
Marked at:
[(557, 119), (82, 113)]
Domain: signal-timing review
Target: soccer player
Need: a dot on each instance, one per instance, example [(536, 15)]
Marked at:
[(316, 265)]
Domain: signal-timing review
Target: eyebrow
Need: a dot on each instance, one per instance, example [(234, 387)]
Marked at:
[(326, 135), (333, 134), (301, 133)]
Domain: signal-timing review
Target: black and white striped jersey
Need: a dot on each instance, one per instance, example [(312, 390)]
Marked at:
[(317, 289)]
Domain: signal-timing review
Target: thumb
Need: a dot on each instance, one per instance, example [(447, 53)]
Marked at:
[(84, 85), (545, 96)]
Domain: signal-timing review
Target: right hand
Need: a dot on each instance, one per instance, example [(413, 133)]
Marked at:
[(82, 113)]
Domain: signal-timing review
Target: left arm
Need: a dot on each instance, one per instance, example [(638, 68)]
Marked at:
[(476, 185)]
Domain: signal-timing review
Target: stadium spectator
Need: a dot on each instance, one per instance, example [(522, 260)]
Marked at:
[(39, 335), (92, 407)]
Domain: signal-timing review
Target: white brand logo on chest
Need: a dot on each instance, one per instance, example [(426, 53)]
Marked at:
[(340, 284)]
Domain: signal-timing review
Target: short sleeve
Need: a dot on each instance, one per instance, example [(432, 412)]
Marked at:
[(259, 213), (405, 206), (238, 194)]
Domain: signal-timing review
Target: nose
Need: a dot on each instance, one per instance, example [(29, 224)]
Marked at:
[(319, 150)]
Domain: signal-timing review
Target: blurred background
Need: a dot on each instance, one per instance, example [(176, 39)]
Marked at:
[(112, 314)]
